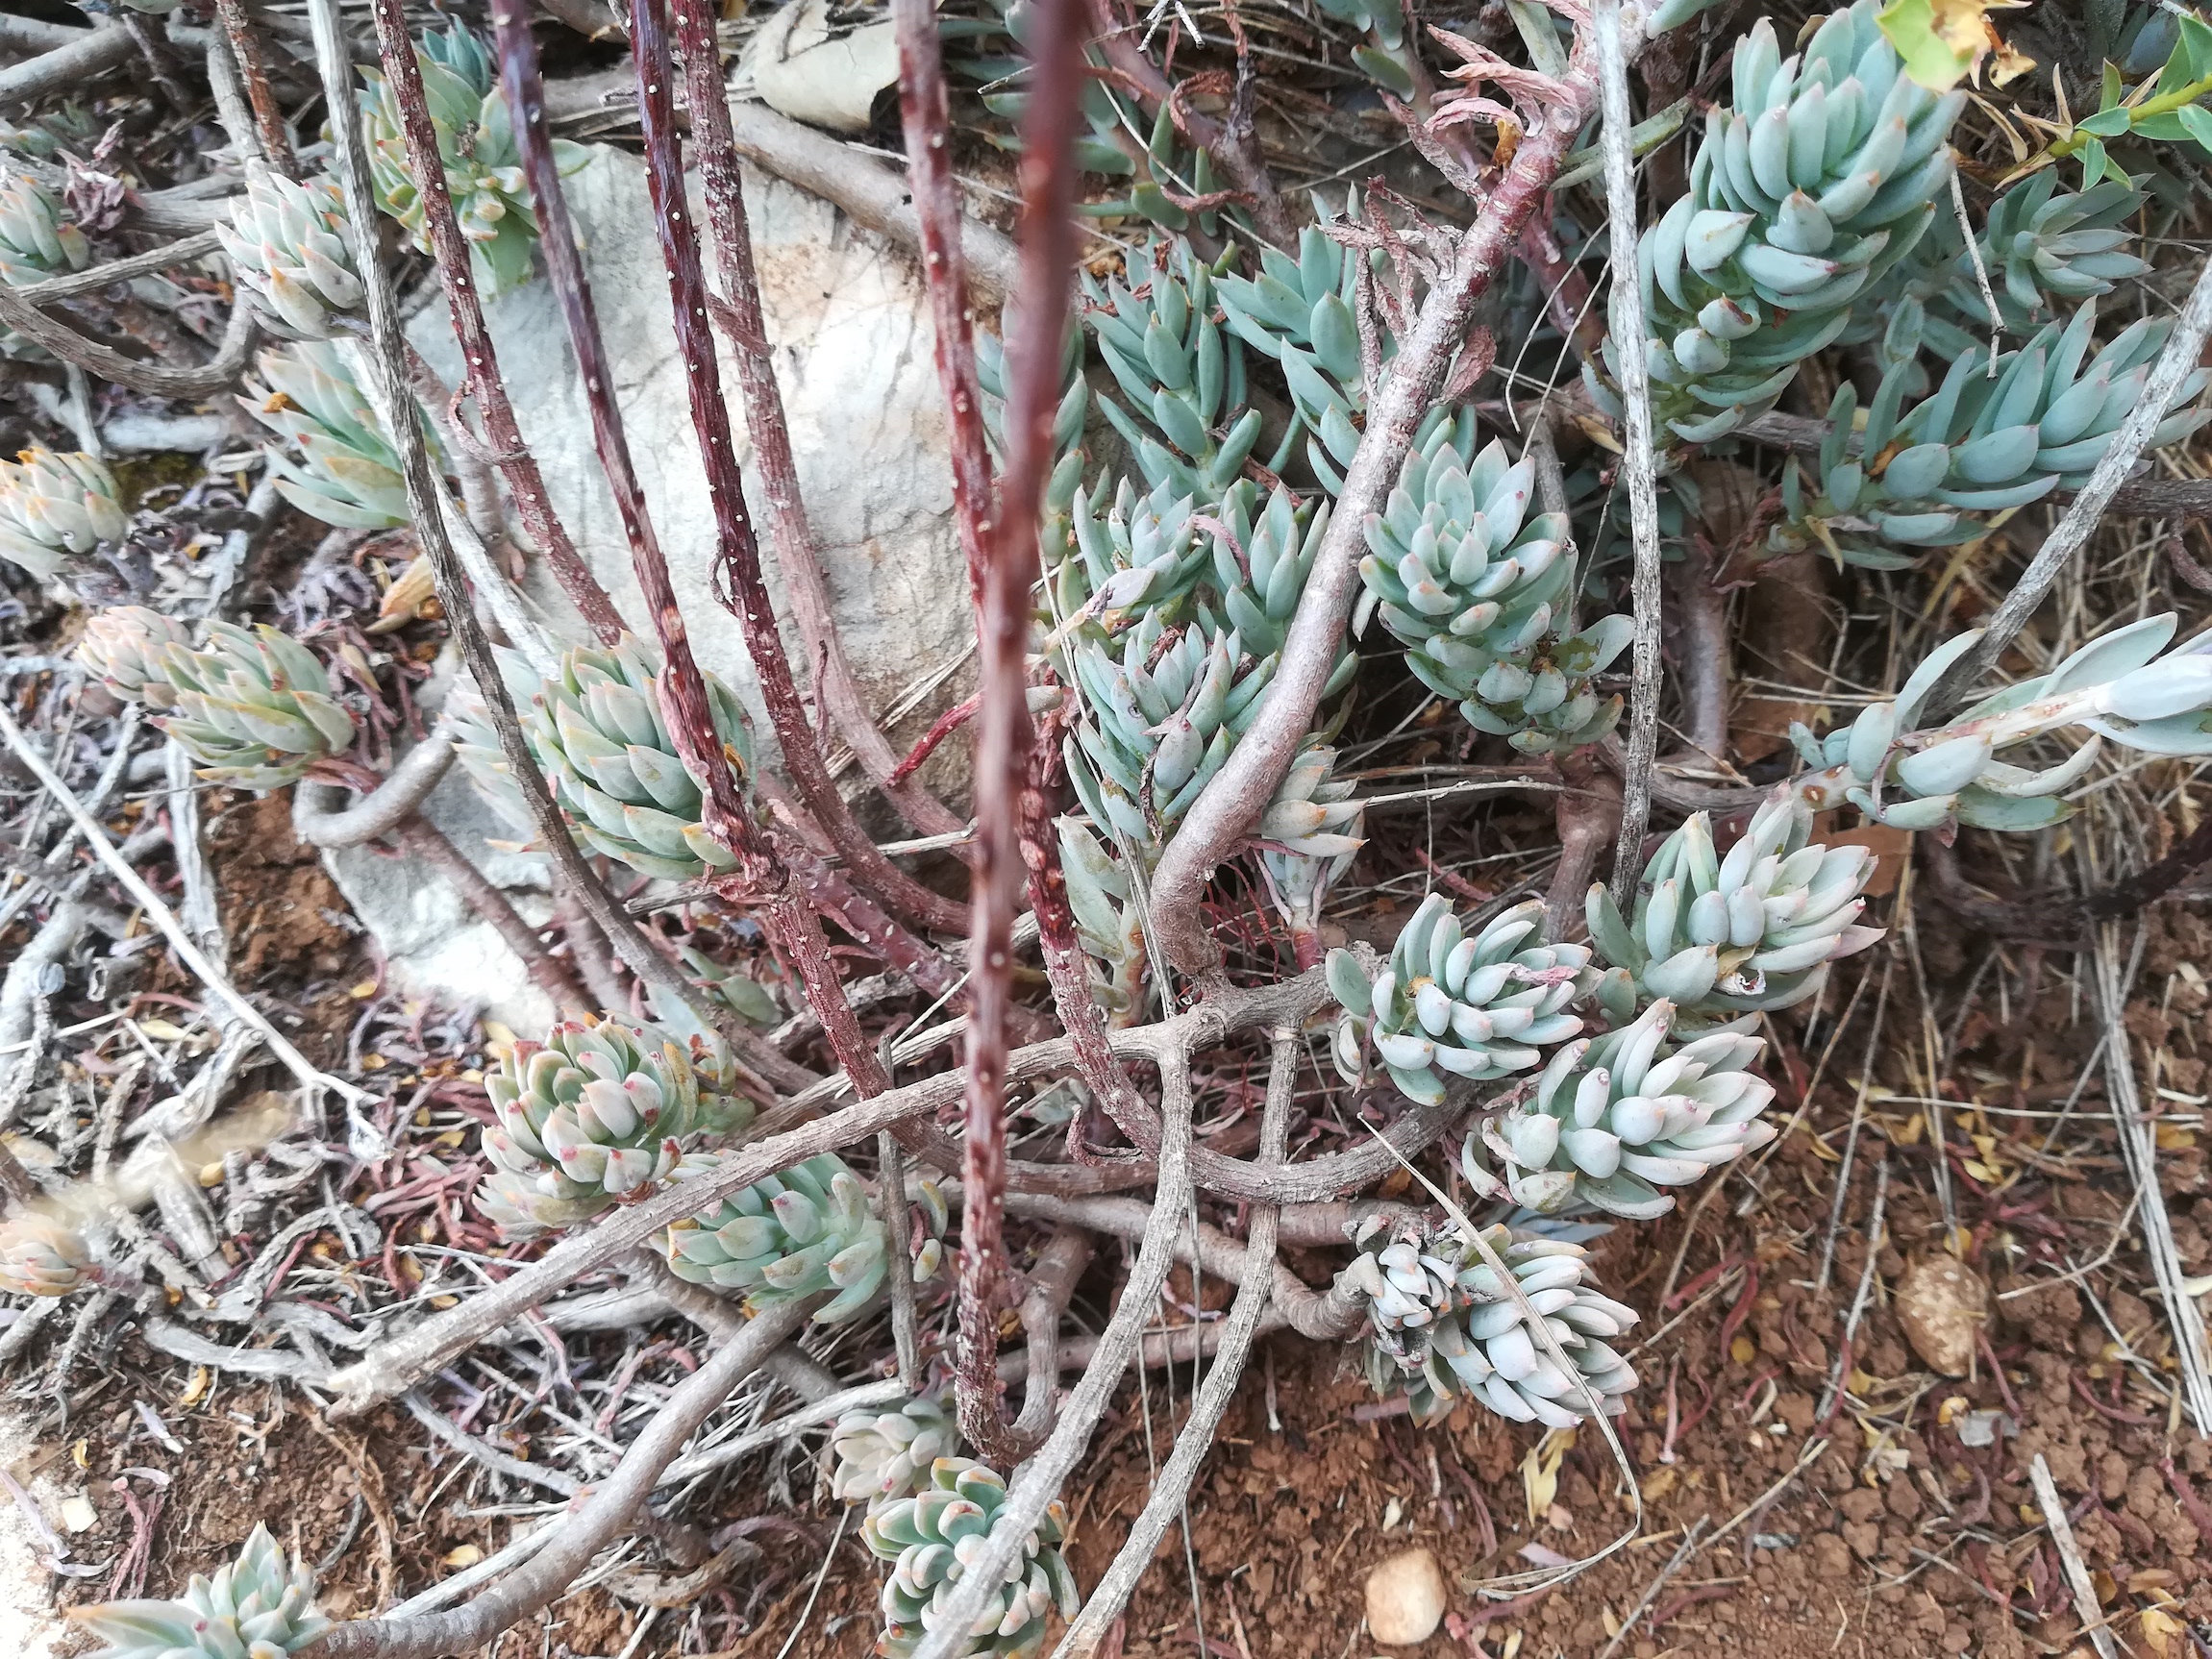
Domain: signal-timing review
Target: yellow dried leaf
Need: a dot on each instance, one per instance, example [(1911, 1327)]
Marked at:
[(80, 1454), (467, 1556), (1540, 1471), (162, 1031), (1939, 41), (362, 990), (2173, 1137), (1743, 1350), (196, 1390), (1661, 1483), (2164, 1633), (210, 1174), (444, 1301)]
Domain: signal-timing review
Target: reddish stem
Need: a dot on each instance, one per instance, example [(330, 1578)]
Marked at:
[(254, 69), (481, 376), (924, 114), (1048, 255), (947, 723), (835, 688)]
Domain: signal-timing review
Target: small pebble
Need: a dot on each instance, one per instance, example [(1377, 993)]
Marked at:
[(1404, 1599), (1941, 1303)]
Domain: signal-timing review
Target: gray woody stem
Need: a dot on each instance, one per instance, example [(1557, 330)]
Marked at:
[(1173, 1484), (156, 379), (1218, 821), (1037, 1484), (1002, 748), (389, 357), (1636, 461), (2072, 532), (393, 1367), (834, 686), (596, 1521)]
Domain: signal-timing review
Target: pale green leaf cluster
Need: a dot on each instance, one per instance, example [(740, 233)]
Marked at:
[(1477, 1005), (258, 1607), (477, 146), (1615, 1119), (808, 1230), (1443, 1325), (286, 243), (58, 509), (595, 1114), (335, 460), (1480, 594), (930, 1539), (253, 706)]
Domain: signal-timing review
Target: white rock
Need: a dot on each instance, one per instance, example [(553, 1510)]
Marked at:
[(1405, 1599), (433, 945), (847, 325)]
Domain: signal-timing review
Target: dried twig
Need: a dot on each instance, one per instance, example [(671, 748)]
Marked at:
[(2086, 1607), (2139, 1149), (1637, 464), (253, 68), (157, 380), (163, 918), (598, 1520), (1171, 1488)]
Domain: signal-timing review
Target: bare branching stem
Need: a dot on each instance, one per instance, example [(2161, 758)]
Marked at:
[(596, 1521), (1038, 1483), (481, 378), (389, 360), (1172, 1486), (835, 688), (924, 114), (1217, 822)]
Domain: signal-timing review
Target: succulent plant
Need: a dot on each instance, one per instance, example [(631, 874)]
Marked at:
[(40, 1256), (2118, 687), (125, 645), (1477, 1005), (599, 733), (1134, 553), (288, 244), (1108, 922), (1752, 931), (931, 1538), (2040, 246), (804, 1230), (1475, 588), (1181, 373), (1978, 443), (252, 706), (58, 512), (595, 1114), (1299, 312), (258, 1607), (1442, 1324), (347, 472), (1162, 718), (1385, 56), (1821, 176), (1613, 1120), (36, 237), (1261, 563), (1303, 865), (476, 144), (881, 1455)]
